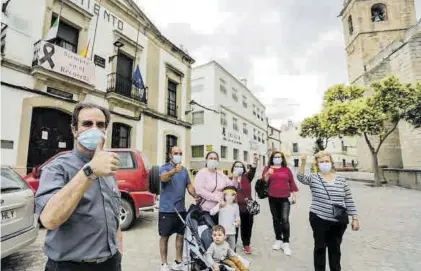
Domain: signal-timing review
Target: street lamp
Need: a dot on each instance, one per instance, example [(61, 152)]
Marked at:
[(117, 44)]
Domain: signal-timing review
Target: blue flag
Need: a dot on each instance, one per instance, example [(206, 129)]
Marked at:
[(138, 83)]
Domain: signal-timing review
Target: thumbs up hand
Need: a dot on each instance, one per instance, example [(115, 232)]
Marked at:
[(104, 163)]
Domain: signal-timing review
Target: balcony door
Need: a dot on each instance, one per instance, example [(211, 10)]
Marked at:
[(67, 35), (124, 75)]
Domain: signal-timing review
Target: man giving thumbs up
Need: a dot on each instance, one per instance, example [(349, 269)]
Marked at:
[(78, 199)]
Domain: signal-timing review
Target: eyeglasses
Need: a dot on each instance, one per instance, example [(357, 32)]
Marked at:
[(90, 123)]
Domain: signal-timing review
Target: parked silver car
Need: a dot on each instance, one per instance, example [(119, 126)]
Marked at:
[(19, 224)]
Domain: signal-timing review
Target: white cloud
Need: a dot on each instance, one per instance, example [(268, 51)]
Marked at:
[(291, 51), (202, 15), (299, 91)]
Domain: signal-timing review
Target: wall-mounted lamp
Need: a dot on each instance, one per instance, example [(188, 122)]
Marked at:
[(118, 44)]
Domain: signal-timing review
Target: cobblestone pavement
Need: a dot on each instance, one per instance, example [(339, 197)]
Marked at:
[(389, 239)]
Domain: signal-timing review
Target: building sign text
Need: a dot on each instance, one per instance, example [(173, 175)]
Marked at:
[(103, 14)]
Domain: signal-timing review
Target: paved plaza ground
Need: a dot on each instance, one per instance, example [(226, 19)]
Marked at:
[(389, 239)]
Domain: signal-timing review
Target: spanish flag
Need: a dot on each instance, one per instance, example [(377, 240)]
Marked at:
[(85, 51)]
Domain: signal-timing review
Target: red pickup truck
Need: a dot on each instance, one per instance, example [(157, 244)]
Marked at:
[(137, 180)]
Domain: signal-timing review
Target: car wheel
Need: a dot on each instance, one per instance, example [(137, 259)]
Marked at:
[(127, 215), (154, 180)]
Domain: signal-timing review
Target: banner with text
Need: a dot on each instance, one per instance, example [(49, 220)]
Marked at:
[(60, 60)]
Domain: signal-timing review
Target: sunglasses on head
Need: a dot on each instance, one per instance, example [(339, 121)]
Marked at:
[(90, 123)]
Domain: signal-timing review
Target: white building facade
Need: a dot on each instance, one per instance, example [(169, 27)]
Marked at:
[(343, 150), (274, 139), (41, 82), (233, 123)]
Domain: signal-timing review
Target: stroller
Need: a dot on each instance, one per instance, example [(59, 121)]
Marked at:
[(197, 239)]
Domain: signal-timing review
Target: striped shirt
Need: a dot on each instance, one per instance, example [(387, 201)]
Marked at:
[(339, 192)]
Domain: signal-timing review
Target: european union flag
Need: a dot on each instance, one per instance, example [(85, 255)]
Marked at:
[(138, 83)]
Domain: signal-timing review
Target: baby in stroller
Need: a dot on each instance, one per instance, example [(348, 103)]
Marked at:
[(219, 253)]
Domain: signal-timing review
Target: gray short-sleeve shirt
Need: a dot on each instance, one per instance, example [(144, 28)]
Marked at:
[(91, 231)]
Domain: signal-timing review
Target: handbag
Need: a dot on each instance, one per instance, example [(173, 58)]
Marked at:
[(339, 212), (262, 189), (253, 207)]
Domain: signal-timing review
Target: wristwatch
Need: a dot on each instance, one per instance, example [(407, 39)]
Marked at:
[(89, 172)]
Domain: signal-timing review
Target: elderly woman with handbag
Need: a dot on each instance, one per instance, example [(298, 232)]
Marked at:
[(248, 207), (332, 204)]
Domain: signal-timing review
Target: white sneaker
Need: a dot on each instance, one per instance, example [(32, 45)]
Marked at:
[(178, 266), (287, 249), (165, 267), (277, 245)]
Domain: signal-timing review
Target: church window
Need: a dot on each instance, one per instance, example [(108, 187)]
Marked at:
[(350, 25), (378, 13)]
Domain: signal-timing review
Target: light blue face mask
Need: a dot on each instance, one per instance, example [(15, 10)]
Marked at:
[(239, 170), (176, 159), (277, 160), (325, 167), (90, 138)]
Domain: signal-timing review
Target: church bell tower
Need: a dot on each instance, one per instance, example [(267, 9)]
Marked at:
[(369, 26)]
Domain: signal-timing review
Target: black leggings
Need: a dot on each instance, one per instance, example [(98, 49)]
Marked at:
[(280, 207), (326, 234), (246, 228)]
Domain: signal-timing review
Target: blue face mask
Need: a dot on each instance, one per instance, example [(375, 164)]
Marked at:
[(176, 159), (90, 138), (239, 170), (325, 167), (277, 160)]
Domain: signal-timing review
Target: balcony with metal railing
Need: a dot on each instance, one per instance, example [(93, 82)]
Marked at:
[(122, 85)]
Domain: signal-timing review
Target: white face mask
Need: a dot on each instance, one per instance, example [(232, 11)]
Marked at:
[(212, 164), (325, 167), (229, 198)]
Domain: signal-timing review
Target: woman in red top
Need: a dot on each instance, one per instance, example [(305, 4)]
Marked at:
[(242, 180), (281, 185)]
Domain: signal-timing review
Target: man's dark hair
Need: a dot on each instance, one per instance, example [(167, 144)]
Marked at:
[(218, 228), (80, 106)]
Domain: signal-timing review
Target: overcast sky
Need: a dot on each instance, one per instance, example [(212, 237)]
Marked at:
[(290, 51)]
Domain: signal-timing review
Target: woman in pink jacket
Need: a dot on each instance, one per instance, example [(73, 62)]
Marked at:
[(209, 184)]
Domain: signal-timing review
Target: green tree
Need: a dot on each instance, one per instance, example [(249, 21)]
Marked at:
[(373, 117), (413, 115), (311, 127)]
